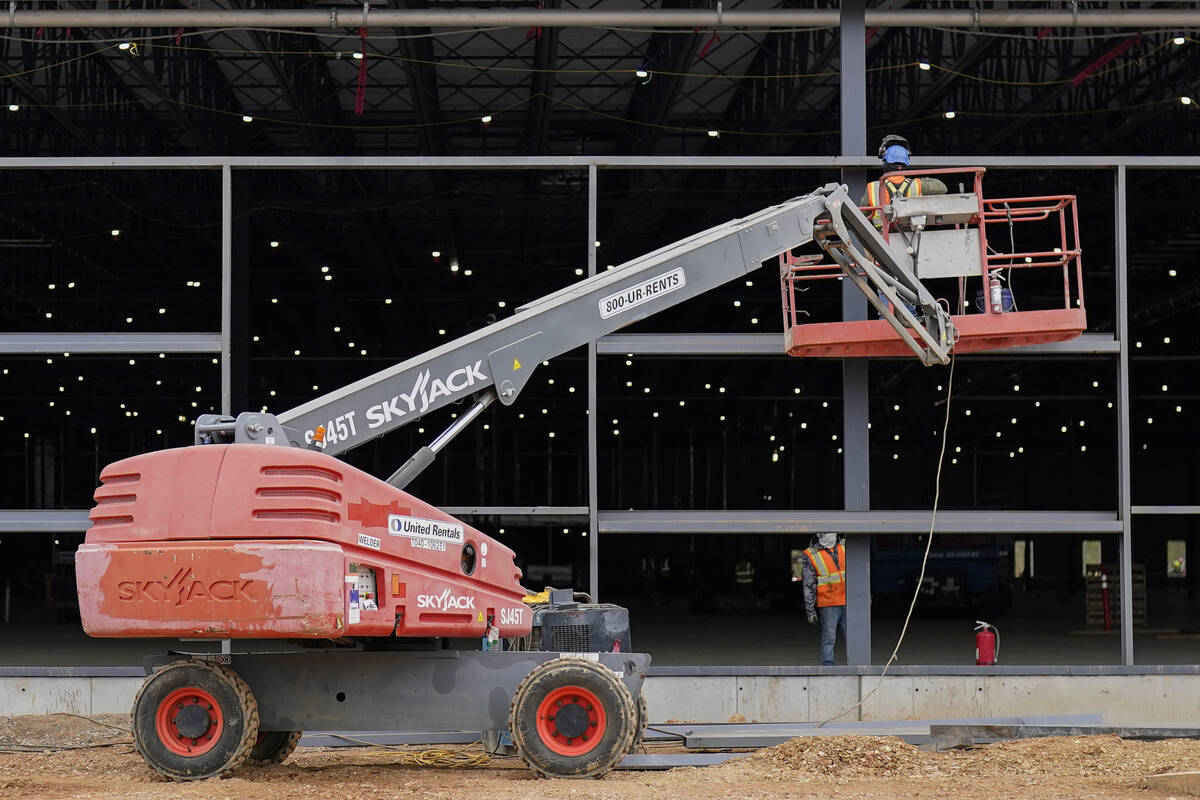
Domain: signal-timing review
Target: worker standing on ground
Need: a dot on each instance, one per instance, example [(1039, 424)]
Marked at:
[(894, 153), (823, 574)]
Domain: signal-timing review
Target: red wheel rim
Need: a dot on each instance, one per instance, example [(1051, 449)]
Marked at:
[(583, 719), (191, 704)]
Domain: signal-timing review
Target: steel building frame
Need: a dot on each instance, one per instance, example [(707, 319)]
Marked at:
[(856, 518)]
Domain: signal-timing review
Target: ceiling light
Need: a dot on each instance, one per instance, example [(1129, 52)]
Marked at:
[(454, 267), (441, 331), (247, 118), (162, 311), (1187, 101), (466, 272), (923, 64), (124, 46), (357, 56), (579, 270), (501, 304), (129, 320), (714, 134), (325, 269), (387, 301), (328, 277), (274, 244), (950, 115), (642, 74), (115, 232), (1178, 40), (13, 107), (486, 119), (1172, 273), (436, 254)]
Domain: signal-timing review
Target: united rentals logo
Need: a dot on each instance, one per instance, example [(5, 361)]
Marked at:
[(185, 587), (445, 601)]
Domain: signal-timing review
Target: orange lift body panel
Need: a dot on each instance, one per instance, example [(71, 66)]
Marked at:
[(262, 541)]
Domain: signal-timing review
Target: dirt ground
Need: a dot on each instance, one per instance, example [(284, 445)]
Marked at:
[(104, 764)]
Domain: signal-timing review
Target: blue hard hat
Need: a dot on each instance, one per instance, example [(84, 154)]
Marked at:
[(896, 154)]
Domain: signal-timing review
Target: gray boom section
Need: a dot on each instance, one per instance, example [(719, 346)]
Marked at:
[(504, 355), (498, 360)]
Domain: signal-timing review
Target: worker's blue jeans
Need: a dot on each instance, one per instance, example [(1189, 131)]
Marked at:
[(832, 618)]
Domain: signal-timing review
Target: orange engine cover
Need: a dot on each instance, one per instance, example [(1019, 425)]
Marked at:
[(259, 541)]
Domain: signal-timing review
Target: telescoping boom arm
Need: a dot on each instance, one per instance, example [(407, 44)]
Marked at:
[(495, 362)]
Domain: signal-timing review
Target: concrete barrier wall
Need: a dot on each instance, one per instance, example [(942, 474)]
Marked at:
[(1122, 698)]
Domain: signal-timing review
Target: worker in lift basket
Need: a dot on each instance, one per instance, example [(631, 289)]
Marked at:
[(823, 576), (894, 153)]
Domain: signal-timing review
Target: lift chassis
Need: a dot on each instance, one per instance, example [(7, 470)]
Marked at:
[(345, 603)]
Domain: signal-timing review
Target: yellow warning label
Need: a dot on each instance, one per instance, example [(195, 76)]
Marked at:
[(481, 616), (516, 364)]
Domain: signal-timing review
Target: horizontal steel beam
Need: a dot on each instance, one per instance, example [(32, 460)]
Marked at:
[(334, 18), (82, 343), (35, 520), (68, 520), (1165, 510), (583, 162), (771, 344), (684, 344), (658, 522)]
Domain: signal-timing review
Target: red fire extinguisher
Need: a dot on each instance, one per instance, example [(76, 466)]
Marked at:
[(987, 643)]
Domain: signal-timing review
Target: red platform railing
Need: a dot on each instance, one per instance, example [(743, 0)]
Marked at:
[(982, 325)]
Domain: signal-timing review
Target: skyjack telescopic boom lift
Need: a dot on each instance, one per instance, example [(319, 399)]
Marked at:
[(497, 361), (401, 616)]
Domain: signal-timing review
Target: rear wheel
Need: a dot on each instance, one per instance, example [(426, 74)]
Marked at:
[(572, 718), (194, 720), (640, 725), (273, 747)]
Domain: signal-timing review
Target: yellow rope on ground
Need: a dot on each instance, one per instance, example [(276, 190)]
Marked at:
[(472, 755)]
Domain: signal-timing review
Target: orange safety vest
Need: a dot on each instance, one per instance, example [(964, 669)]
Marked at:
[(831, 577), (901, 185)]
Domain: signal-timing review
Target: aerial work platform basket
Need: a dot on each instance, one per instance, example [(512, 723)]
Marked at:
[(965, 248)]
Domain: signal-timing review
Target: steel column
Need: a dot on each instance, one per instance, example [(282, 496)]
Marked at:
[(1124, 510), (856, 453), (593, 412), (226, 288)]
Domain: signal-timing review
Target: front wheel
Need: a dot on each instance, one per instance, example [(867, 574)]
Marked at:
[(194, 720), (572, 718)]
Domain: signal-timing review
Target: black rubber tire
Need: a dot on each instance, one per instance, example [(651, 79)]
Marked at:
[(237, 707), (640, 722), (619, 710), (273, 747)]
